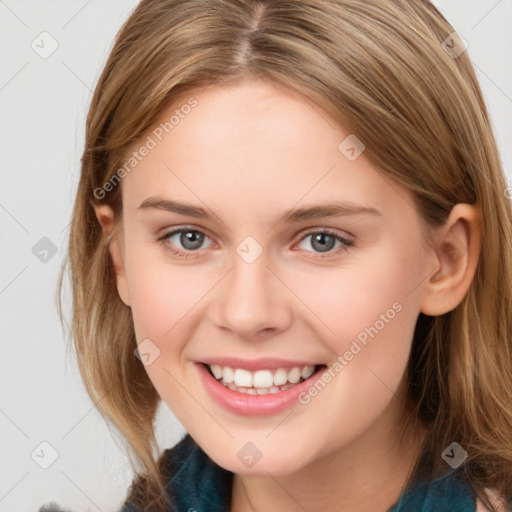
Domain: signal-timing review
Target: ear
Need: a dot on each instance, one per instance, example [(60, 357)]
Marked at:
[(455, 261), (105, 216)]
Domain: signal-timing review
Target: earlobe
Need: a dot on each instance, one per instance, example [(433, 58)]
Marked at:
[(105, 217), (455, 261)]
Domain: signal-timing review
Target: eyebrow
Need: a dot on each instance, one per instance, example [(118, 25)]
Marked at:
[(332, 209)]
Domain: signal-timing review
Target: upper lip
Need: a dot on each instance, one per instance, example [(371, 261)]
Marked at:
[(264, 363)]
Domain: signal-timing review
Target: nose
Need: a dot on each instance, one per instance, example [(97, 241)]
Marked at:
[(252, 301)]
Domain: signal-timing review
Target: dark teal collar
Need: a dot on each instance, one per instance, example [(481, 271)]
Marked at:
[(200, 485), (446, 494)]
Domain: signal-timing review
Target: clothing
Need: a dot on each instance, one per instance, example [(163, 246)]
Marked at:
[(200, 485)]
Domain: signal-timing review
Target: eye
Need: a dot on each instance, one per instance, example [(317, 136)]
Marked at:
[(190, 239), (324, 241)]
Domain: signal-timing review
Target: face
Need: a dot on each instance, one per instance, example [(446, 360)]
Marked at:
[(260, 292)]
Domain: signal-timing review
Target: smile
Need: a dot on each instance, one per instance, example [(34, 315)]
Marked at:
[(257, 392), (261, 382)]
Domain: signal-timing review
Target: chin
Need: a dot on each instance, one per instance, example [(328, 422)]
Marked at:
[(279, 463)]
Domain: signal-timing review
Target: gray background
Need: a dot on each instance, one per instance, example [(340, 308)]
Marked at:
[(43, 107)]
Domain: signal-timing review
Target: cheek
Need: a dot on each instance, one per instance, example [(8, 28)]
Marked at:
[(168, 300), (161, 292), (164, 300), (366, 312), (161, 295), (156, 307)]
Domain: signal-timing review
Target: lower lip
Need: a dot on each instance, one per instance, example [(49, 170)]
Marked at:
[(253, 405)]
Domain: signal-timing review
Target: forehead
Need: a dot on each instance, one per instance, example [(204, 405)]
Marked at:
[(258, 146)]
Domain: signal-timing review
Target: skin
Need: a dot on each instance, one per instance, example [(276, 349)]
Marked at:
[(249, 152)]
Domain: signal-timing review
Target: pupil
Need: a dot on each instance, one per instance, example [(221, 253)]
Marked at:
[(320, 237), (192, 237)]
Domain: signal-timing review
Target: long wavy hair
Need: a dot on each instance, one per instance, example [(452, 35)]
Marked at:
[(383, 69)]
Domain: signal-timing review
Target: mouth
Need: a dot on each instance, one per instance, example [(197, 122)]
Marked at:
[(263, 381), (257, 387)]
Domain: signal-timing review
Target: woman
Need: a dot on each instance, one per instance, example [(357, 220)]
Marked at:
[(336, 333)]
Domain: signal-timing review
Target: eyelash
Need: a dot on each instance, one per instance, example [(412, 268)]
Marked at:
[(190, 254)]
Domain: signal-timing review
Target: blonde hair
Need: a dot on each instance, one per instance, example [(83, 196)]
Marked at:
[(379, 68)]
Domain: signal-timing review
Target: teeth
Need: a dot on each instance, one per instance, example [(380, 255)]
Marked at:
[(268, 381), (294, 375), (257, 391), (216, 370), (307, 372), (228, 374), (280, 377), (243, 378), (262, 379)]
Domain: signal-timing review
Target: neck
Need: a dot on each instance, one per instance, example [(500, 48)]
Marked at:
[(367, 475)]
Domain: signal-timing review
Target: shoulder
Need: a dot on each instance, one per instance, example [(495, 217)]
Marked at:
[(174, 458), (193, 478), (170, 464), (444, 494), (190, 472)]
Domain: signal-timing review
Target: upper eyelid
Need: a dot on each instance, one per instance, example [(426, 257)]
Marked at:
[(174, 231)]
